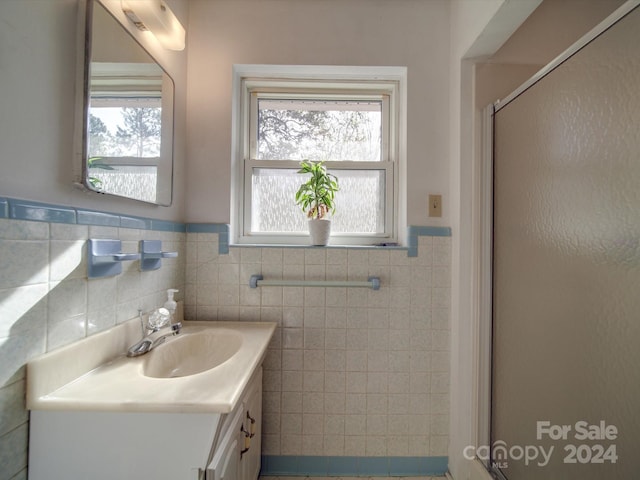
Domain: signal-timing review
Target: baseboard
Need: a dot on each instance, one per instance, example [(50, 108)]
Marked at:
[(353, 466)]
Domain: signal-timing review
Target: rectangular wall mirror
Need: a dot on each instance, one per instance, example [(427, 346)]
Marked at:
[(127, 114)]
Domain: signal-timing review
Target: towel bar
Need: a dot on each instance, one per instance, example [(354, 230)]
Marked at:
[(258, 281)]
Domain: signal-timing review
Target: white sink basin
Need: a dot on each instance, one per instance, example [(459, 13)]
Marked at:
[(191, 353), (203, 369)]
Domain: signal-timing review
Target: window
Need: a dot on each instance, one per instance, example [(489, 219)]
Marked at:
[(124, 147), (352, 124), (125, 129)]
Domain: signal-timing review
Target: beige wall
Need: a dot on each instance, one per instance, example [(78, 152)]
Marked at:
[(38, 50), (412, 33)]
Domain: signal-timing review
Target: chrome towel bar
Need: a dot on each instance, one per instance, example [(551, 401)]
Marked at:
[(258, 281)]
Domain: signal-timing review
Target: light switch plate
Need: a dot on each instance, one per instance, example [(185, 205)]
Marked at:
[(435, 205)]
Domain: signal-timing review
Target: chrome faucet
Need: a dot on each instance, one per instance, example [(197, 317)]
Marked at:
[(153, 336)]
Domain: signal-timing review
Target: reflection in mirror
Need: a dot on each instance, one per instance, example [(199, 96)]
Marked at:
[(129, 114)]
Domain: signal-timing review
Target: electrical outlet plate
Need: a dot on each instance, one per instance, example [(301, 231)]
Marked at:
[(435, 205)]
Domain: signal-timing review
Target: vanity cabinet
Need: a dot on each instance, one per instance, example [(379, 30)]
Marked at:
[(162, 446), (95, 413)]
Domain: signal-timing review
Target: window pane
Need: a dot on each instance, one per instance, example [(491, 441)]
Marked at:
[(319, 130), (359, 203), (131, 131), (131, 181)]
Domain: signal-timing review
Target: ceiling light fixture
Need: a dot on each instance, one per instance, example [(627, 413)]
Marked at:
[(156, 17)]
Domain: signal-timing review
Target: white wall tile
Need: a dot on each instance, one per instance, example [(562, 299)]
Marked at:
[(292, 296), (357, 338), (376, 446), (313, 381), (23, 263), (250, 255), (355, 446), (356, 367), (357, 272), (291, 423), (335, 338), (334, 445), (398, 404), (291, 402), (357, 257), (290, 444), (292, 381), (313, 403), (294, 256), (335, 403), (313, 360), (337, 272), (312, 444), (336, 317)]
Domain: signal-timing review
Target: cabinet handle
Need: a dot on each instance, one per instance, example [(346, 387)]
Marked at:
[(252, 426), (247, 440)]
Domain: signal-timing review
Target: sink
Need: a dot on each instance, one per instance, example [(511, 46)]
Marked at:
[(203, 369), (191, 353)]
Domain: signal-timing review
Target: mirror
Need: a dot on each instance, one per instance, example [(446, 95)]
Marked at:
[(128, 114)]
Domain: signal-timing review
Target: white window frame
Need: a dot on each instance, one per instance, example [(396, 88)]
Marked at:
[(386, 83)]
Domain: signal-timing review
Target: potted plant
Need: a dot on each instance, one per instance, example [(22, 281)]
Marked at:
[(316, 198)]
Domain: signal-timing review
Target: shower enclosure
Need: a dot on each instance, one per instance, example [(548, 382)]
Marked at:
[(565, 395)]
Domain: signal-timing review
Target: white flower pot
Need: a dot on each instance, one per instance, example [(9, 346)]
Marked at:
[(320, 229)]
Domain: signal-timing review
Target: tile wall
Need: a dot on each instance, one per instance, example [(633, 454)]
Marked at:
[(351, 371), (47, 301)]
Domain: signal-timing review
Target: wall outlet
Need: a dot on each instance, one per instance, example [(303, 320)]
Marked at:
[(435, 205)]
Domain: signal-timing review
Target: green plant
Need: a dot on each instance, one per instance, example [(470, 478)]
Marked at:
[(95, 162), (316, 196)]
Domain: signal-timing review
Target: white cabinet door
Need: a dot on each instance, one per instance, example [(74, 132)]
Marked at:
[(238, 454), (228, 468), (226, 462), (250, 460)]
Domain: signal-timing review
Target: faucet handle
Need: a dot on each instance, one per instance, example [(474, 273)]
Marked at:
[(159, 318)]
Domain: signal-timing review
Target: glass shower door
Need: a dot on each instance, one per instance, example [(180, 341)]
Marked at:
[(566, 273)]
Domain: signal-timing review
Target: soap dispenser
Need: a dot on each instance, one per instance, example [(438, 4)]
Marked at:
[(171, 304)]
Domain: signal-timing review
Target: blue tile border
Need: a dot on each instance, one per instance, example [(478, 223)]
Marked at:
[(88, 217), (4, 208), (222, 229), (135, 222), (353, 466), (373, 466), (414, 231), (168, 226), (339, 465), (43, 212), (207, 228)]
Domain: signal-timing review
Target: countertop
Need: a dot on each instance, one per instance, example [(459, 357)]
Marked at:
[(94, 374)]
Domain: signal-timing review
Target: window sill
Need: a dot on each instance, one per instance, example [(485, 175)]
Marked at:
[(413, 233), (389, 246)]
